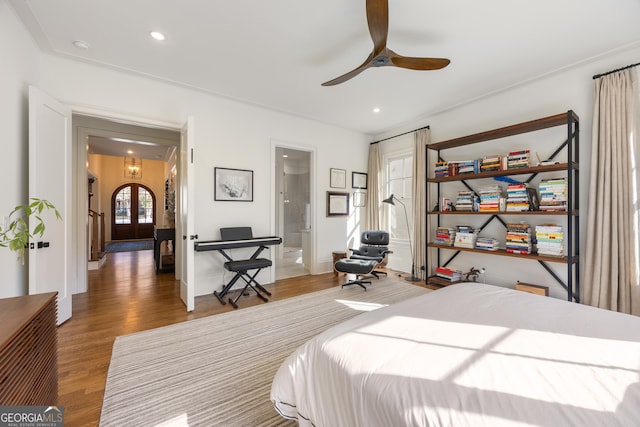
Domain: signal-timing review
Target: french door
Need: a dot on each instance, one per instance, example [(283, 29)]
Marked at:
[(133, 212)]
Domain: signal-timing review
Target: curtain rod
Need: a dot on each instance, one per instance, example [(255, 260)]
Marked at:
[(391, 137), (597, 76)]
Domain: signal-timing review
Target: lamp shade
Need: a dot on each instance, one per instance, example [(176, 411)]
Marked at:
[(389, 200)]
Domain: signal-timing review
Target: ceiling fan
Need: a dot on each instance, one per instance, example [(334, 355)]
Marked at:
[(378, 20)]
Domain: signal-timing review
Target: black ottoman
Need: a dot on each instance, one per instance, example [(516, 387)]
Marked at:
[(359, 267)]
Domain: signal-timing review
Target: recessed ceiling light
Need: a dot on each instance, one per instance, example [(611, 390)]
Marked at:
[(157, 35), (82, 45), (376, 110), (284, 155)]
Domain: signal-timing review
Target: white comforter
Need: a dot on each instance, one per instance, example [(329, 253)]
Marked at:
[(468, 355)]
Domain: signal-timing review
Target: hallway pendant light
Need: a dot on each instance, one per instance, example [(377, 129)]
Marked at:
[(132, 168)]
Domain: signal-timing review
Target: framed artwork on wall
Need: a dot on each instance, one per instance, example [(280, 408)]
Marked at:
[(338, 178), (234, 185), (359, 199), (358, 180), (337, 203)]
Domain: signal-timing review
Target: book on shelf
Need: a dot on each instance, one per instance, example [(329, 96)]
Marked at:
[(489, 198), (533, 198), (487, 243), (550, 239), (518, 238), (464, 201), (553, 194), (518, 159), (465, 237), (448, 274), (517, 199), (441, 169), (445, 236)]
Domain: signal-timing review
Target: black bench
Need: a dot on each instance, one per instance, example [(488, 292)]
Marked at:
[(245, 269)]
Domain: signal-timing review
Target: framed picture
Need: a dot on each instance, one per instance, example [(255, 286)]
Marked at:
[(358, 180), (338, 178), (337, 203), (233, 185), (359, 199)]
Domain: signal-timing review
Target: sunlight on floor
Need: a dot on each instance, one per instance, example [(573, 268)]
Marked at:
[(178, 421), (361, 306)]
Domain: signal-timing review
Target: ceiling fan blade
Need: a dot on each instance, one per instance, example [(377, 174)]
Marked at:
[(378, 20), (417, 63), (343, 78)]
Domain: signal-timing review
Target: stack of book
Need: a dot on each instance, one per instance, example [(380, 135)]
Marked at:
[(553, 194), (464, 201), (465, 237), (490, 198), (448, 274), (442, 169), (550, 238), (467, 166), (487, 243), (491, 163), (519, 238), (445, 235), (518, 159), (517, 198)]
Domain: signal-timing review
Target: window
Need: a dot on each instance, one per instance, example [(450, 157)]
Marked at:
[(399, 181), (145, 206), (123, 206)]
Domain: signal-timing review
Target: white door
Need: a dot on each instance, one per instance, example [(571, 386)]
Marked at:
[(184, 233), (50, 262)]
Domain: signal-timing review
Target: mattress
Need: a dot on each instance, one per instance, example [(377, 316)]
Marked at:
[(468, 355)]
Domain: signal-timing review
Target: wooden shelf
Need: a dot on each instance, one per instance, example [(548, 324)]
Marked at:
[(434, 280), (567, 168), (542, 213), (530, 126), (503, 252), (558, 167)]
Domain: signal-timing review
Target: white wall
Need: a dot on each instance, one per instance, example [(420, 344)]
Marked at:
[(228, 134), (20, 67), (553, 94)]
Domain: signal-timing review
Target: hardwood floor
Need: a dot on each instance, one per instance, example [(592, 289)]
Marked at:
[(126, 296)]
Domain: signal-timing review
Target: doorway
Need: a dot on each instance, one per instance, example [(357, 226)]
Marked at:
[(101, 146), (293, 210)]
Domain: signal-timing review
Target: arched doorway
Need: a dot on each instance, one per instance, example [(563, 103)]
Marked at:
[(133, 212)]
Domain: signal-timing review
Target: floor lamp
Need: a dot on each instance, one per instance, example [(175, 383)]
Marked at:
[(413, 277)]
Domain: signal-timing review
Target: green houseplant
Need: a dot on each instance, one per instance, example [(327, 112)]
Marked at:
[(16, 235)]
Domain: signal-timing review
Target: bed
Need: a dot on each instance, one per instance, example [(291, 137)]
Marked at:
[(469, 354)]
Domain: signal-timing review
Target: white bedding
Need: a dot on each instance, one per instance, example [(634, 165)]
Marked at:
[(468, 355)]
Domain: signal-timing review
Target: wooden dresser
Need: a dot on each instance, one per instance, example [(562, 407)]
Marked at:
[(28, 350)]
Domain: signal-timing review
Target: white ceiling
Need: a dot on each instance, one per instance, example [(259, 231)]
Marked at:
[(277, 53)]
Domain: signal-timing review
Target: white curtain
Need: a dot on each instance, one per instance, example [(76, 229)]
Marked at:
[(372, 220), (611, 278), (422, 137)]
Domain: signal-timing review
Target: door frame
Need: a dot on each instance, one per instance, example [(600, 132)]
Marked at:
[(81, 186), (312, 199)]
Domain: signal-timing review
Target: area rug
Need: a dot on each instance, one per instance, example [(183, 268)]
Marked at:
[(128, 246), (217, 371)]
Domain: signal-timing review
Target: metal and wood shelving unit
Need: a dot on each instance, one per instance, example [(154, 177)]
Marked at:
[(570, 167)]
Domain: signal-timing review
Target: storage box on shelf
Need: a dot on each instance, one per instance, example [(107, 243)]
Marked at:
[(558, 196)]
